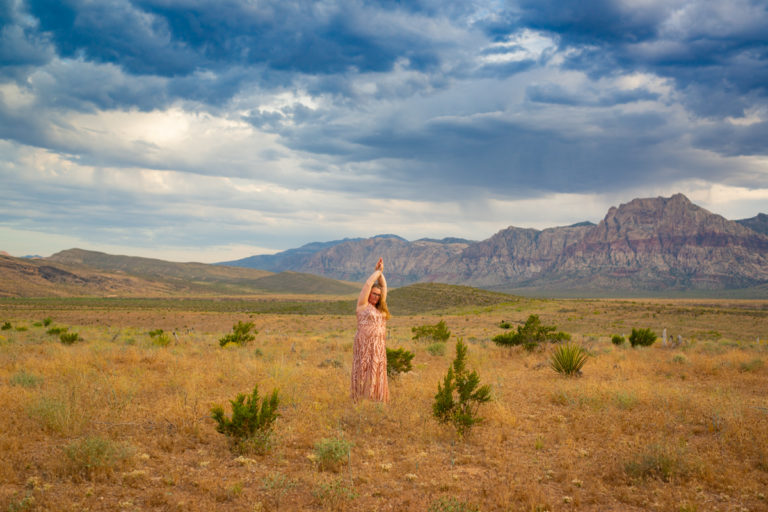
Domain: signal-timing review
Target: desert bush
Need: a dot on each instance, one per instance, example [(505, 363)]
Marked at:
[(334, 495), (94, 456), (6, 326), (617, 339), (47, 321), (160, 338), (642, 337), (252, 421), (22, 328), (568, 359), (531, 334), (240, 335), (68, 338), (25, 380), (679, 359), (658, 461), (451, 504), (437, 332), (436, 349), (751, 366), (459, 397), (504, 324), (332, 453), (399, 361), (277, 486), (55, 331)]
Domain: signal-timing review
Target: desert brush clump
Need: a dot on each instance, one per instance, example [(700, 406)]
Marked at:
[(331, 453), (459, 397), (617, 339), (531, 334), (6, 326), (642, 337), (437, 332), (160, 338), (240, 335), (93, 456), (568, 359), (68, 338), (399, 361), (252, 421)]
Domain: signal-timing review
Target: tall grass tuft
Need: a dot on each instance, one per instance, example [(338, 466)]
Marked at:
[(94, 456), (568, 359)]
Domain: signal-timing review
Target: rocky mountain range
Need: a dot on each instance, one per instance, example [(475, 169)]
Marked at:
[(652, 244)]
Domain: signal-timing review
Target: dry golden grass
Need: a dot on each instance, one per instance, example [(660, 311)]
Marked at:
[(657, 428)]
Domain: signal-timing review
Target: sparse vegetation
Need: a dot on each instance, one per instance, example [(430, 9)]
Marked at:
[(568, 359), (56, 331), (642, 338), (94, 456), (436, 349), (399, 361), (459, 397), (252, 421), (617, 340), (25, 380), (451, 504), (240, 335), (531, 334), (437, 332), (6, 326), (700, 404)]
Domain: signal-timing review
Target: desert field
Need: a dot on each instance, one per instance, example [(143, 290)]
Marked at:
[(118, 421)]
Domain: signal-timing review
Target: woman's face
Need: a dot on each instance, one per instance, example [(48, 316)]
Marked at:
[(375, 296)]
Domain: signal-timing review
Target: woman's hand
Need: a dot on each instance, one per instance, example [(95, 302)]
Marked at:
[(380, 265)]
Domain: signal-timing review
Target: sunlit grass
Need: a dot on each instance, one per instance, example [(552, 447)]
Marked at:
[(651, 428)]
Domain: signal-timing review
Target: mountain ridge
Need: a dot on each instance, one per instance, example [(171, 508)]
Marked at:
[(661, 243)]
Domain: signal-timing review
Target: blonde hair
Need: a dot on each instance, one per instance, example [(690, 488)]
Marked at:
[(382, 304)]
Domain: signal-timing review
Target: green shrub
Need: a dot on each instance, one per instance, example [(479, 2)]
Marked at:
[(436, 349), (531, 334), (22, 328), (642, 337), (47, 321), (505, 325), (399, 361), (437, 332), (451, 504), (252, 421), (93, 456), (568, 359), (6, 326), (55, 331), (459, 397), (240, 335), (68, 338), (332, 453), (617, 340)]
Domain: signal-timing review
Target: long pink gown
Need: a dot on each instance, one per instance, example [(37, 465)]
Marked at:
[(369, 356)]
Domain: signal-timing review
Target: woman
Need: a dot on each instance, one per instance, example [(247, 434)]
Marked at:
[(369, 354)]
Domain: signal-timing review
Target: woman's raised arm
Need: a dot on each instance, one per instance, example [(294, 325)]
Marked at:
[(377, 275)]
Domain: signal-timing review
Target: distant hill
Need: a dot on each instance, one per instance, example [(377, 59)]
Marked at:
[(78, 272), (757, 223), (664, 245)]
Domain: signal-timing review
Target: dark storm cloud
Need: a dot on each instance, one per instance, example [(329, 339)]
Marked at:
[(708, 49)]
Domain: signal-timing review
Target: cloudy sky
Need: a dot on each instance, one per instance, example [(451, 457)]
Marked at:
[(211, 130)]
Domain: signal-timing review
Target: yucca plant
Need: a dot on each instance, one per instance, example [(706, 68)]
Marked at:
[(568, 359)]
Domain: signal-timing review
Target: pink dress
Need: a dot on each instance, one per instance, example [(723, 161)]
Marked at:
[(369, 356)]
